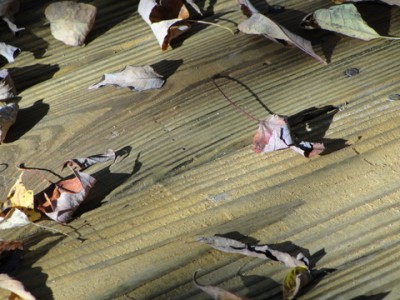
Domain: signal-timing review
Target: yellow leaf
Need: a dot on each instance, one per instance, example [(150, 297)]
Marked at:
[(19, 196), (294, 281)]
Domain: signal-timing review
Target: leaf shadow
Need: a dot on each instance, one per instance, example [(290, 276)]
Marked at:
[(312, 124), (166, 67), (377, 15), (109, 14), (379, 296), (33, 277), (106, 182), (27, 118), (28, 41), (274, 288), (28, 76)]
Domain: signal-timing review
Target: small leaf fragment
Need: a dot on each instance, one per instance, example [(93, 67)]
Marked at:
[(86, 162), (134, 78), (8, 8), (262, 25), (344, 19), (296, 279), (71, 22), (14, 218), (15, 287), (215, 292), (7, 88), (9, 52)]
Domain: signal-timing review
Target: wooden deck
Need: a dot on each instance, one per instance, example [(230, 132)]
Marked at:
[(191, 171)]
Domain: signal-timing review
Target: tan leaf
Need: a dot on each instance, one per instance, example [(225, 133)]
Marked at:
[(71, 22), (135, 78), (60, 200), (9, 52), (344, 19), (166, 19), (15, 287), (8, 115), (8, 8), (262, 25), (215, 292), (296, 279)]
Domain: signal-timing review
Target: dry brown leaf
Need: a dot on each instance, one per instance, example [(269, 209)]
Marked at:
[(215, 292), (86, 162), (10, 256), (60, 200), (8, 8), (166, 18), (8, 115), (274, 134), (15, 287), (260, 251), (262, 25), (9, 52), (135, 78), (344, 19), (295, 280), (71, 22)]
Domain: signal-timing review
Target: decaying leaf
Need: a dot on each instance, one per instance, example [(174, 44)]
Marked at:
[(274, 134), (8, 8), (166, 18), (215, 292), (262, 25), (390, 2), (259, 251), (71, 22), (7, 89), (297, 278), (10, 256), (60, 200), (15, 287), (344, 19), (14, 218), (9, 52), (8, 116), (86, 162), (135, 78), (21, 198)]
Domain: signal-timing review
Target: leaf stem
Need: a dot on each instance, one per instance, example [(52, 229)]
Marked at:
[(212, 24)]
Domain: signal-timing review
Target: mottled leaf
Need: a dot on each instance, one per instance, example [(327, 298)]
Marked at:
[(71, 22), (8, 116), (135, 78), (262, 25), (344, 19), (9, 52), (297, 278)]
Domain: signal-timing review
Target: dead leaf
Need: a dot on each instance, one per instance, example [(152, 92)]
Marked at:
[(21, 198), (262, 25), (260, 251), (344, 19), (86, 162), (71, 22), (14, 218), (7, 89), (135, 78), (8, 116), (8, 8), (295, 280), (15, 287), (60, 200), (10, 256), (166, 19), (274, 134), (215, 292), (9, 52), (10, 246)]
